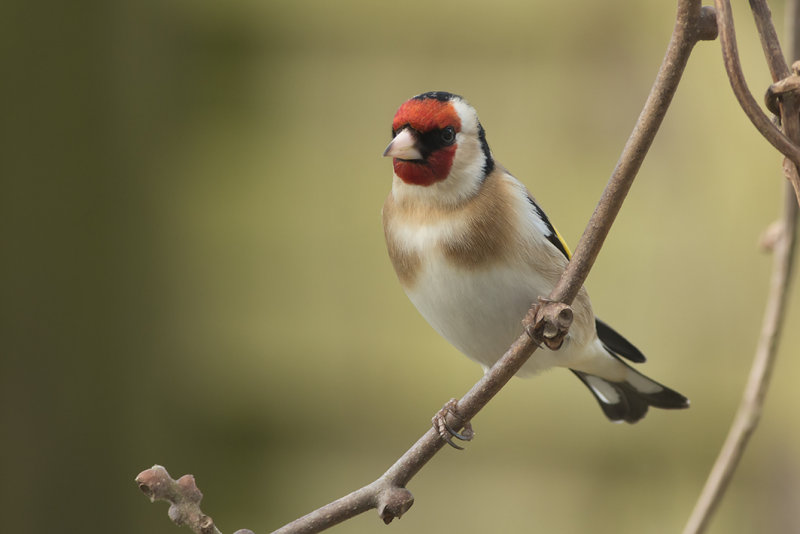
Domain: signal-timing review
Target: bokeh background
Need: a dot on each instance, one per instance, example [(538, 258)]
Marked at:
[(193, 270)]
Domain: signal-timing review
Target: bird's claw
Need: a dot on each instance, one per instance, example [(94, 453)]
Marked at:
[(447, 432)]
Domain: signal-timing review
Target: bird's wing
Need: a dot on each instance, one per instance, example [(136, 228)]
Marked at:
[(611, 339), (615, 343), (553, 236)]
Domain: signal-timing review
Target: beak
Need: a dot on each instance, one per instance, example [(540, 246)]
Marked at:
[(404, 146)]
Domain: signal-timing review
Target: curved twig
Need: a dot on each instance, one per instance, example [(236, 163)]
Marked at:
[(730, 55), (750, 408), (790, 99)]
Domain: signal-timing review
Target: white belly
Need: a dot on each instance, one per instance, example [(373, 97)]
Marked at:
[(480, 312)]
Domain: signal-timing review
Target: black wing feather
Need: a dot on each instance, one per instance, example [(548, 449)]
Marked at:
[(553, 235), (617, 344)]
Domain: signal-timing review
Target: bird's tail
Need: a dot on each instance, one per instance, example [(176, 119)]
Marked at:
[(628, 400)]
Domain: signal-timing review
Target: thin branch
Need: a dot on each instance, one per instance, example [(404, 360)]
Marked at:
[(693, 23), (789, 98), (182, 495), (751, 406), (749, 413), (730, 55), (769, 40)]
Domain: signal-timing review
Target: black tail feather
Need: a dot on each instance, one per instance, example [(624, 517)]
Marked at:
[(621, 401)]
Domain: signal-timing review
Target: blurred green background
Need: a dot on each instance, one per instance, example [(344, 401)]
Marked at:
[(193, 270)]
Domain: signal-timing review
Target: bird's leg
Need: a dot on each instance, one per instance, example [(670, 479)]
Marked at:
[(447, 432)]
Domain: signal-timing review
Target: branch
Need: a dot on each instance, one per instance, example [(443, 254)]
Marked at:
[(694, 23), (750, 408), (783, 245), (548, 320), (182, 494), (786, 87), (730, 56)]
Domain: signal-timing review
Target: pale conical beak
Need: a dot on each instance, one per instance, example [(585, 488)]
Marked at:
[(403, 146)]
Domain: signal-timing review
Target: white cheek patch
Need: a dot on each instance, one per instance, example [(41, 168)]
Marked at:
[(469, 160), (468, 116)]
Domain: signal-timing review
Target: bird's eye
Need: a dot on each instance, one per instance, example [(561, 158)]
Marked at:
[(448, 135)]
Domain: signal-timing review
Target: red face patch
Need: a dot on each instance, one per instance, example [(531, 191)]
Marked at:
[(424, 115), (434, 169)]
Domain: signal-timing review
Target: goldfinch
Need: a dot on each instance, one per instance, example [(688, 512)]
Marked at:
[(473, 250)]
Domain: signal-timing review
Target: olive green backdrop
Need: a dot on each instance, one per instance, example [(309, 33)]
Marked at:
[(193, 270)]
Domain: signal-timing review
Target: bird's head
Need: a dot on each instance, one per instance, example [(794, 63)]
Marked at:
[(439, 145)]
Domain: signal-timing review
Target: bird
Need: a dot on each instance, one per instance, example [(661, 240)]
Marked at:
[(473, 250)]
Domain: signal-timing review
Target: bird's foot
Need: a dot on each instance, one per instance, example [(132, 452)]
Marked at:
[(447, 432), (548, 322)]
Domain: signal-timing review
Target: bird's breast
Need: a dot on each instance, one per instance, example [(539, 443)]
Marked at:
[(478, 311), (474, 235)]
